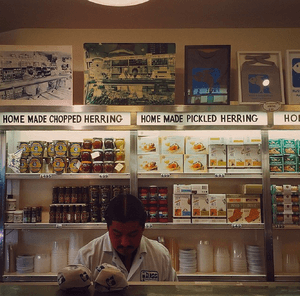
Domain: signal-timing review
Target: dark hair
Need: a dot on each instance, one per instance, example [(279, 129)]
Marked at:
[(125, 208)]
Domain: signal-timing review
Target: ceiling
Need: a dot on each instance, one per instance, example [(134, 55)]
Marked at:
[(81, 14)]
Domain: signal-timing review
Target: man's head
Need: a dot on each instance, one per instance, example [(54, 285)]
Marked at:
[(125, 217)]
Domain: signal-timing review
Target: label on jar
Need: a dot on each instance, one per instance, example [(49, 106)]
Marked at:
[(35, 165), (58, 164), (75, 149), (119, 167), (61, 148), (36, 149)]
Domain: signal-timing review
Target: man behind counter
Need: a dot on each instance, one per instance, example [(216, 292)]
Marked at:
[(125, 246)]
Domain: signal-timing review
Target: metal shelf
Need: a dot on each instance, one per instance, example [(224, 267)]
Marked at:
[(153, 226), (286, 227), (285, 175), (291, 277), (66, 176), (200, 175)]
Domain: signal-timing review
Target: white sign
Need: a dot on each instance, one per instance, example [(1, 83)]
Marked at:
[(287, 118), (56, 118), (216, 118)]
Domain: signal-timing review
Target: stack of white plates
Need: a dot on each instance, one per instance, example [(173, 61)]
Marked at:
[(24, 264), (187, 261), (255, 259), (238, 258)]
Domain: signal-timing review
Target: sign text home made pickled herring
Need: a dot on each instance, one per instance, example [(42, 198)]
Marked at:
[(208, 118), (56, 118)]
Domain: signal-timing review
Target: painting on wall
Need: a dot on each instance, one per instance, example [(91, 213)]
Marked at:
[(260, 77), (129, 73), (36, 75), (292, 71), (207, 74)]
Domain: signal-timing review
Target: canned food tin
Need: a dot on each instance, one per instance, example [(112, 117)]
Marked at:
[(50, 149), (74, 165), (25, 147), (11, 204), (61, 147), (9, 216), (35, 164), (37, 148), (23, 165), (75, 149), (59, 164), (18, 216)]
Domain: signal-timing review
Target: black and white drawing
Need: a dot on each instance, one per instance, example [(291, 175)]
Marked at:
[(36, 75)]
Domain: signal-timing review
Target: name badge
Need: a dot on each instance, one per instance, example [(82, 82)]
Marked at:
[(147, 275)]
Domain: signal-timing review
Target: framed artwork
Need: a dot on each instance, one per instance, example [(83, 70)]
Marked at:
[(260, 77), (129, 73), (207, 74), (292, 74), (36, 75)]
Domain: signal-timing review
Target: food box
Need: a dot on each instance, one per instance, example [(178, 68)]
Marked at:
[(252, 156), (286, 219), (235, 210), (216, 141), (171, 163), (276, 160), (235, 156), (196, 145), (148, 145), (199, 188), (195, 163), (172, 145), (182, 189), (289, 146), (252, 189), (217, 205), (276, 147), (252, 210), (235, 140), (217, 156), (182, 205), (276, 168), (252, 139), (200, 205), (148, 163)]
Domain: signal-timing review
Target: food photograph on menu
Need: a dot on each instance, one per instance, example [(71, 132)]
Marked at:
[(36, 75), (207, 74), (129, 73)]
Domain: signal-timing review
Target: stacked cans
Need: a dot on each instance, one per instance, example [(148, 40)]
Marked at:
[(155, 201)]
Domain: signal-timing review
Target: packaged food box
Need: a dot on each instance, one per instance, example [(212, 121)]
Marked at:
[(235, 156), (289, 146), (252, 156), (148, 145), (182, 189), (196, 145), (200, 205), (148, 163), (217, 156), (252, 210), (290, 168), (276, 168), (235, 210), (276, 147), (286, 219), (252, 189), (171, 163), (217, 205), (172, 145), (195, 163), (182, 205), (216, 141), (276, 160), (199, 188)]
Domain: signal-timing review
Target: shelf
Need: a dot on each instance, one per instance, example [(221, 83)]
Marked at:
[(154, 226), (200, 176), (67, 176), (285, 175), (288, 277), (285, 227)]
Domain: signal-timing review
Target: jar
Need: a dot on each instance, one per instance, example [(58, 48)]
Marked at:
[(74, 165), (87, 144), (47, 165), (35, 164), (79, 194), (126, 189), (108, 167), (52, 214), (144, 195), (116, 190), (163, 214), (23, 165), (97, 143), (39, 214), (119, 155), (68, 193), (84, 215), (58, 214), (97, 166), (77, 217), (94, 194), (11, 204), (97, 155), (120, 143), (109, 143), (153, 213), (50, 149), (119, 167), (74, 195), (25, 147), (85, 167), (61, 147), (9, 216), (37, 148), (18, 216), (33, 215), (59, 164), (109, 155), (65, 214), (61, 195), (85, 194), (71, 215), (94, 214), (162, 195), (26, 215), (75, 149), (86, 155)]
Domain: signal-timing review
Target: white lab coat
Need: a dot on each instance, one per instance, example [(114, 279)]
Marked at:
[(151, 263)]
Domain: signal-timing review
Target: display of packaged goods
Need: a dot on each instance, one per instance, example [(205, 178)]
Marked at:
[(289, 146), (182, 189), (252, 156), (276, 160), (251, 189), (149, 163), (195, 163), (200, 205), (217, 156), (172, 145), (146, 145), (235, 156), (196, 145), (276, 168), (181, 205), (252, 210), (235, 210), (286, 219), (171, 163), (276, 147), (217, 205)]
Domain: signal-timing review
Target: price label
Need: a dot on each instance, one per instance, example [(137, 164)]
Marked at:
[(103, 176), (45, 176), (219, 175), (148, 225), (165, 175), (59, 225), (236, 225)]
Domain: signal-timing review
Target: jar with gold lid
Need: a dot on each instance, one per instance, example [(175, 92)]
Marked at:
[(120, 143)]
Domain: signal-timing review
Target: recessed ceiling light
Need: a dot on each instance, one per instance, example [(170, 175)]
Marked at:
[(119, 2)]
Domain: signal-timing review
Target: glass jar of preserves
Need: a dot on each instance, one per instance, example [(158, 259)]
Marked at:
[(52, 214), (119, 155), (35, 164), (77, 217), (143, 195), (86, 155), (87, 144), (119, 167), (61, 195), (55, 191), (68, 194), (94, 194), (59, 164), (97, 143), (71, 214), (85, 167), (23, 165), (153, 214), (37, 148), (163, 214), (75, 149), (163, 195), (120, 143), (61, 147), (74, 196), (97, 155), (109, 143), (108, 167), (25, 147), (74, 165), (59, 213), (109, 155), (85, 194), (98, 167), (84, 215), (65, 214)]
